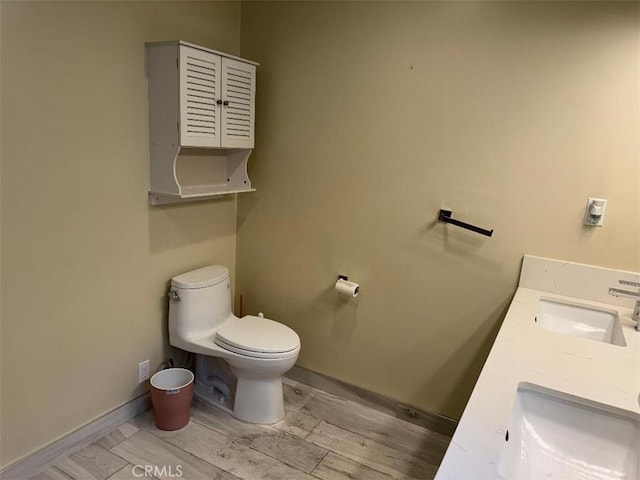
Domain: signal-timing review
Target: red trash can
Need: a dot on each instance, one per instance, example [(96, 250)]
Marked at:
[(171, 394)]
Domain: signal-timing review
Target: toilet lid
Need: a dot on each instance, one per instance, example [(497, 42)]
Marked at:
[(257, 337), (201, 278)]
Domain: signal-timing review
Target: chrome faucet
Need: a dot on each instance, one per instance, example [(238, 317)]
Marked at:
[(617, 292)]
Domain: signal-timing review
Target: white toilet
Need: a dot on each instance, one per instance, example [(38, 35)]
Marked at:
[(258, 351)]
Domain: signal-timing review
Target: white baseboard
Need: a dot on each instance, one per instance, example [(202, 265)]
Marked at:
[(48, 455)]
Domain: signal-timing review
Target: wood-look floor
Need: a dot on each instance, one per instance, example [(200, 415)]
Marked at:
[(321, 437)]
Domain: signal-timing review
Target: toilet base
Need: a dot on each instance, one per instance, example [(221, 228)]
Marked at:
[(259, 400), (256, 401)]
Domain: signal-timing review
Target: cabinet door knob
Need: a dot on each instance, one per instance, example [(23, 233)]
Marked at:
[(225, 103), (219, 102)]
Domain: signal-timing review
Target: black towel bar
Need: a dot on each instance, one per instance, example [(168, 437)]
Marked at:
[(445, 216)]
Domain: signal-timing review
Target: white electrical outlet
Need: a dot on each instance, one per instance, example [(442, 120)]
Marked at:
[(594, 213), (143, 371)]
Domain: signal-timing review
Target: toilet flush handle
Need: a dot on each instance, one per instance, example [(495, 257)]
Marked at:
[(261, 315), (173, 295)]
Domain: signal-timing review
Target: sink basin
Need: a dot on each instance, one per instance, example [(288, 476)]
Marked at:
[(569, 318), (556, 435)]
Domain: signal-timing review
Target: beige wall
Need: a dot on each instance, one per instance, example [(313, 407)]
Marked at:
[(85, 260), (372, 116)]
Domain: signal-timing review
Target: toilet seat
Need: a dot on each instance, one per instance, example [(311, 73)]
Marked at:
[(258, 337)]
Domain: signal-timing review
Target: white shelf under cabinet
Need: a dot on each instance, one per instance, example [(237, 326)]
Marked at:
[(165, 198), (201, 122), (201, 174)]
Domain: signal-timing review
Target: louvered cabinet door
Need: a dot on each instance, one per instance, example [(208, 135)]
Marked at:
[(238, 108), (200, 88)]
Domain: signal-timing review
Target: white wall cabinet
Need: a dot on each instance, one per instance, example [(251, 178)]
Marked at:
[(201, 122)]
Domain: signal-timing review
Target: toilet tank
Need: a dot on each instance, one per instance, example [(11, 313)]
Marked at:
[(204, 302)]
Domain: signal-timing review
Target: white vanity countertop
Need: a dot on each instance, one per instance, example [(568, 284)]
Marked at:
[(525, 352)]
